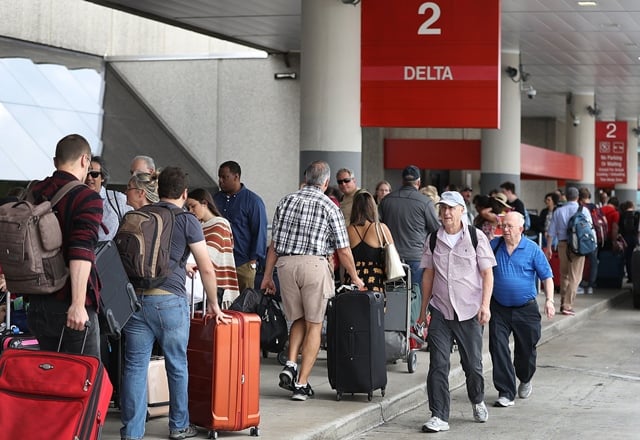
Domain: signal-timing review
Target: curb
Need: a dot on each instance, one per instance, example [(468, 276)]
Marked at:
[(368, 417)]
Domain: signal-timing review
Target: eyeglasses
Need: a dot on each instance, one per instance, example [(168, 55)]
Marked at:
[(95, 174), (347, 180)]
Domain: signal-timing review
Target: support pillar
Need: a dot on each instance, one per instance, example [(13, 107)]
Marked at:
[(500, 157), (330, 86), (629, 189), (581, 137)]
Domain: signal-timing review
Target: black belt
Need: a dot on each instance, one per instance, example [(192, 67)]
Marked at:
[(528, 303)]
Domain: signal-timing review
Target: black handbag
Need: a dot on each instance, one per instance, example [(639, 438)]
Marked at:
[(273, 331)]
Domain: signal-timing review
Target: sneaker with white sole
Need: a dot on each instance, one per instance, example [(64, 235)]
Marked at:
[(524, 390), (179, 434), (435, 424), (480, 413), (287, 378), (302, 392), (503, 402)]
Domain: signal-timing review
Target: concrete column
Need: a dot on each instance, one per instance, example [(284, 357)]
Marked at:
[(500, 157), (629, 189), (330, 86), (581, 137)]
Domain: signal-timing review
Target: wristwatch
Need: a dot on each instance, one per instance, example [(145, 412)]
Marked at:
[(253, 266)]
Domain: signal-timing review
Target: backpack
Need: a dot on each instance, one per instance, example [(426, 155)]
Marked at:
[(629, 222), (600, 225), (144, 244), (31, 245), (580, 239), (433, 237)]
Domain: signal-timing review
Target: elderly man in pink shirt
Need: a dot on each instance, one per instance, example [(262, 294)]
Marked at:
[(456, 287)]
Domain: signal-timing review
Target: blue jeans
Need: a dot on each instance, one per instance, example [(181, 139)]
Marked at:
[(164, 318)]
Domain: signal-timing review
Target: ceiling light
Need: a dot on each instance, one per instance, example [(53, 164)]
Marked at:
[(587, 3)]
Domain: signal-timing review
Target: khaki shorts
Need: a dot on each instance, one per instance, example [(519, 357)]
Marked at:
[(306, 284)]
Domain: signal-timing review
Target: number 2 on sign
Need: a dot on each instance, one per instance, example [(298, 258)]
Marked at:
[(425, 28), (611, 130)]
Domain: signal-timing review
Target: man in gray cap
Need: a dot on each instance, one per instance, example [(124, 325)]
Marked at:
[(571, 265), (410, 216), (456, 286)]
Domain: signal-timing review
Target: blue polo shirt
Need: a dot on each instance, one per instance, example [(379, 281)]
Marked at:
[(514, 277)]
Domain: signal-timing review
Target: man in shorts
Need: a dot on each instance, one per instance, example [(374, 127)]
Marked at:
[(307, 227)]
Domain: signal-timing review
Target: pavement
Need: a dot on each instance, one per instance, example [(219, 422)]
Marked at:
[(323, 417)]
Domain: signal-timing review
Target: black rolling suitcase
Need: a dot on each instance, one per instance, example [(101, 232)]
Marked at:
[(610, 269), (635, 268), (356, 359), (118, 299)]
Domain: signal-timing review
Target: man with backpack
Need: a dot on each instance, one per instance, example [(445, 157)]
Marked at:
[(571, 258), (79, 213), (164, 317)]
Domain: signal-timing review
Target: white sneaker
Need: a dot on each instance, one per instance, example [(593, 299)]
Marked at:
[(580, 290), (435, 424), (480, 413), (524, 389), (589, 291), (503, 402)]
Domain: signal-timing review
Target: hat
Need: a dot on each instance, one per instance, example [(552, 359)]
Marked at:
[(411, 173), (467, 188), (451, 198), (502, 199)]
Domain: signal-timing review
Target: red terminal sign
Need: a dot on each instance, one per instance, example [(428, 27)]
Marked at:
[(430, 63), (611, 153)]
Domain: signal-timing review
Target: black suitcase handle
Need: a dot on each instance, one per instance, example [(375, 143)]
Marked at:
[(84, 339)]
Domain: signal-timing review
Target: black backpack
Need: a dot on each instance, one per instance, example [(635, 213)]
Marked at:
[(629, 222), (473, 232)]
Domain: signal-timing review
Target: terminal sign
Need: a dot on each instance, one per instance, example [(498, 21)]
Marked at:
[(611, 153), (430, 63)]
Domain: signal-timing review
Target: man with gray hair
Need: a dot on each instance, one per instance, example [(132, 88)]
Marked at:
[(142, 164), (571, 265), (307, 227)]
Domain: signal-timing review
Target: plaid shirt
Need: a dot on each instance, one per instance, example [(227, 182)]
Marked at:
[(80, 214), (307, 222)]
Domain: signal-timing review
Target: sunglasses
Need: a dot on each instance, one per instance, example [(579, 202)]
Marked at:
[(347, 180), (95, 174)]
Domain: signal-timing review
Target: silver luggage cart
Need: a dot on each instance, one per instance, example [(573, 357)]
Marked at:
[(397, 319)]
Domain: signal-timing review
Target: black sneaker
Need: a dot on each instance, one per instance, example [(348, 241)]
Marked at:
[(179, 434), (301, 393), (288, 377)]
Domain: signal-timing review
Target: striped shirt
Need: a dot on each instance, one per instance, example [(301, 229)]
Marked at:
[(307, 222), (219, 238), (80, 215)]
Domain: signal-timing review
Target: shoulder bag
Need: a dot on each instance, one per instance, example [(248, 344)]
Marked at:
[(392, 264)]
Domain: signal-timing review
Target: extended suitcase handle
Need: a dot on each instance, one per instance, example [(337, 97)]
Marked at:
[(84, 339)]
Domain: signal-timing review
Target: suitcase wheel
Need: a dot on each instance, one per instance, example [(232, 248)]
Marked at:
[(254, 432), (383, 391), (338, 396), (265, 354), (369, 396), (412, 361), (283, 357), (212, 434)]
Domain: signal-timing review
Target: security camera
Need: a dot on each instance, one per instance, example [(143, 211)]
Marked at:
[(531, 93), (576, 121)]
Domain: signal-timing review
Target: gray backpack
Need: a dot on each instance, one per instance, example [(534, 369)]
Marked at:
[(31, 245)]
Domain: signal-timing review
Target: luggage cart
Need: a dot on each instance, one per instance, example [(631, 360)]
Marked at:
[(397, 317)]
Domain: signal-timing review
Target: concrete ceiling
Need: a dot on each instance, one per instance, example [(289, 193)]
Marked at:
[(566, 48)]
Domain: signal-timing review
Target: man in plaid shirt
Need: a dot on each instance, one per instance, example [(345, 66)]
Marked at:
[(307, 228)]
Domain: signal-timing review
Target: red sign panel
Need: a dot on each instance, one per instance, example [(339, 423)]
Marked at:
[(611, 153), (430, 63)]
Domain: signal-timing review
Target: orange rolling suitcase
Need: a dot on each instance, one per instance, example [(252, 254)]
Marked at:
[(224, 373)]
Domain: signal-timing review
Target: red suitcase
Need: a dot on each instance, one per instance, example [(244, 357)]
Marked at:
[(224, 373), (45, 394)]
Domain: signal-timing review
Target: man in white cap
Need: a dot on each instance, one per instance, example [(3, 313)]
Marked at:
[(456, 287)]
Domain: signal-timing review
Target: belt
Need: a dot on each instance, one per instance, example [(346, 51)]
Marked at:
[(563, 240), (149, 292), (528, 303), (301, 255)]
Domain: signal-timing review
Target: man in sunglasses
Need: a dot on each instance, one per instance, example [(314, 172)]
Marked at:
[(349, 188), (115, 203)]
